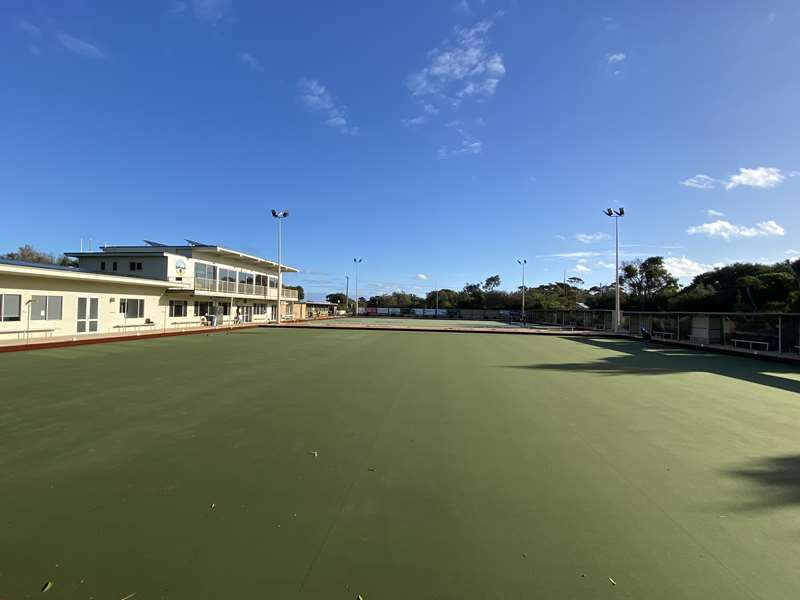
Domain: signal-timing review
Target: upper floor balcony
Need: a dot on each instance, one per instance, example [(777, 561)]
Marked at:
[(235, 288)]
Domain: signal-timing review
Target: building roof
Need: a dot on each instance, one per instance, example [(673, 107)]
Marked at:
[(19, 267), (212, 249)]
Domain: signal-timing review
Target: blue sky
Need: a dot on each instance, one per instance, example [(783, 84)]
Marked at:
[(440, 141)]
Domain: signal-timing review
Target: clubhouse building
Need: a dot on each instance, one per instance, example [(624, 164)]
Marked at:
[(138, 289)]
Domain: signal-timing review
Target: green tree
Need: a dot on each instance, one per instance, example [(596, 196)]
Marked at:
[(649, 280), (337, 298), (491, 283)]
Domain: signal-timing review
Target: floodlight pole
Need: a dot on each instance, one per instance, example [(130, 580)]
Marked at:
[(523, 262), (346, 293), (616, 214), (357, 261), (280, 216)]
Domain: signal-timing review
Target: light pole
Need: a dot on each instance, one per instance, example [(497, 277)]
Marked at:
[(280, 216), (616, 214), (523, 262), (346, 293), (357, 261)]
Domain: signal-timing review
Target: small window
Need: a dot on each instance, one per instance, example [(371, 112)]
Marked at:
[(114, 266), (133, 266), (178, 308), (138, 266), (10, 306), (45, 308), (102, 265), (132, 308)]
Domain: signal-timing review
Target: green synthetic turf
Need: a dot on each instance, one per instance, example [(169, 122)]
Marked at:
[(504, 467)]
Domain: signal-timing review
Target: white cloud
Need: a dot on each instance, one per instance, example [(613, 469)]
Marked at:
[(251, 62), (700, 181), (558, 236), (714, 213), (422, 277), (463, 8), (617, 57), (573, 255), (686, 268), (760, 177), (793, 253), (582, 268), (80, 47), (588, 238), (466, 67), (28, 28), (794, 173), (413, 122), (430, 109), (605, 265), (727, 230), (469, 145), (317, 98), (211, 11)]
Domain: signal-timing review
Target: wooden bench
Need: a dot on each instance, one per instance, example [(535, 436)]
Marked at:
[(750, 343)]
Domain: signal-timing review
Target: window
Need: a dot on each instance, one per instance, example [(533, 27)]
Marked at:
[(201, 309), (132, 308), (46, 308), (102, 265), (204, 271), (260, 309), (10, 305), (114, 266), (138, 266), (135, 266), (226, 308), (261, 280), (178, 308), (273, 282)]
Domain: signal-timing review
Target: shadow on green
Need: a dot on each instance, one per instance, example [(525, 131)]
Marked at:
[(633, 358)]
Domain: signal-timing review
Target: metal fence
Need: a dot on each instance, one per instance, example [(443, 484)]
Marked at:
[(755, 332)]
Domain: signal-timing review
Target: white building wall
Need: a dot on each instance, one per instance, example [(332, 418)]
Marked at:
[(108, 294)]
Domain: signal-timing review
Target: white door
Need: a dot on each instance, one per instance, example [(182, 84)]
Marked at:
[(88, 315)]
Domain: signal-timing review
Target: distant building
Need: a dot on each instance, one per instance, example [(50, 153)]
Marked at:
[(140, 288)]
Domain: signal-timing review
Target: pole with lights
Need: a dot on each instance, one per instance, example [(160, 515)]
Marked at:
[(357, 261), (523, 262), (280, 216), (616, 214)]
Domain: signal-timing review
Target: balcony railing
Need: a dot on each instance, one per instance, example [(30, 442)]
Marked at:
[(233, 287)]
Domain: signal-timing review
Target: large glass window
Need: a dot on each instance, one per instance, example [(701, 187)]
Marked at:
[(132, 308), (46, 308), (10, 305), (273, 282), (204, 271), (178, 308), (202, 309)]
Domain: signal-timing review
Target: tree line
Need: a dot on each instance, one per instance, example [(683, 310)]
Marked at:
[(645, 284)]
